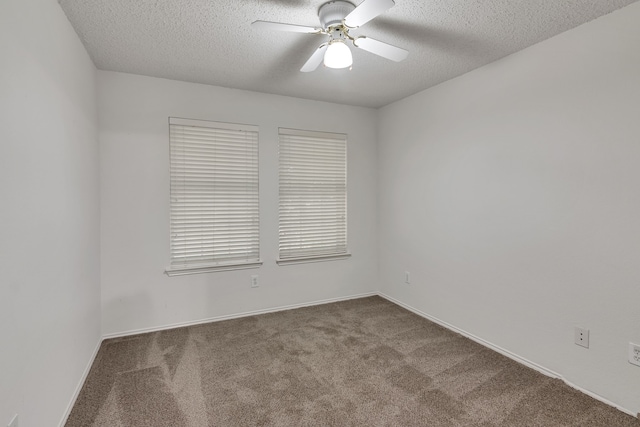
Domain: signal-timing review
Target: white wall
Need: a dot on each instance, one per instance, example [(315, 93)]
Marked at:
[(512, 195), (49, 213), (134, 165)]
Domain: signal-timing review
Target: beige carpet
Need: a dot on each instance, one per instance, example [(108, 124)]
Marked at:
[(364, 362)]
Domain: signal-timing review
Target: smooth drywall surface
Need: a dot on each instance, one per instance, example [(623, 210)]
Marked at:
[(49, 214), (512, 196), (134, 163)]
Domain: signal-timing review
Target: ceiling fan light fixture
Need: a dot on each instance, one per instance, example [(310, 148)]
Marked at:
[(337, 17), (338, 55)]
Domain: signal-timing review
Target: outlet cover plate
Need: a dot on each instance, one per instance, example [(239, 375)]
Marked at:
[(634, 354), (254, 281), (581, 337)]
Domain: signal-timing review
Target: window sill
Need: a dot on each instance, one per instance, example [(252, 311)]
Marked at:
[(304, 260), (195, 269)]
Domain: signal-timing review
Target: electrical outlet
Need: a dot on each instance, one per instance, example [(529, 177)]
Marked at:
[(14, 421), (254, 281), (581, 337), (634, 354), (407, 277)]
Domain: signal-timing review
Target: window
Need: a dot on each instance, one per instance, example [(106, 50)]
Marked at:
[(313, 196), (214, 212)]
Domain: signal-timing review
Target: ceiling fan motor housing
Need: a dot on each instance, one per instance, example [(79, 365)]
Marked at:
[(333, 12)]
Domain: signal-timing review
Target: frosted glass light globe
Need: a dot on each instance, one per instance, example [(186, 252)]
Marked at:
[(338, 55)]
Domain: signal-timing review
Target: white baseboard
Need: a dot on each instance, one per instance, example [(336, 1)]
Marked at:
[(76, 393), (598, 397), (235, 316), (472, 337), (507, 353)]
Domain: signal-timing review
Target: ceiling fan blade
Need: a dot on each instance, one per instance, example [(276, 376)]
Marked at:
[(366, 11), (277, 26), (381, 49), (315, 59)]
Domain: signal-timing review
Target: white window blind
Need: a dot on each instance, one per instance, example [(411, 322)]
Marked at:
[(214, 217), (313, 195)]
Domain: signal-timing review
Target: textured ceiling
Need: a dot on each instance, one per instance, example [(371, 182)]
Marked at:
[(212, 42)]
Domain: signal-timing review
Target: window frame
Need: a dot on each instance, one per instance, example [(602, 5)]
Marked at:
[(318, 257), (191, 267)]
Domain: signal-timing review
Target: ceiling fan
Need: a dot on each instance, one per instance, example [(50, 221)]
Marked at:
[(337, 18)]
